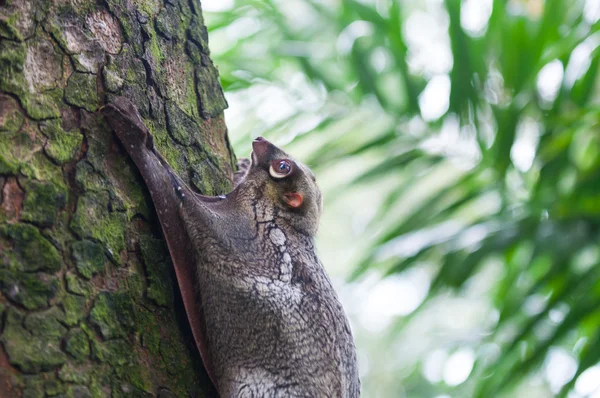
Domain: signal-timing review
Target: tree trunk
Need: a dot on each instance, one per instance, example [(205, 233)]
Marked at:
[(89, 305)]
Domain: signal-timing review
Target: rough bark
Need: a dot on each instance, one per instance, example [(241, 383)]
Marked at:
[(88, 302)]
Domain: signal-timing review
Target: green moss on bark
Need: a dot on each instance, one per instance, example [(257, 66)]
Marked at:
[(8, 28), (17, 151), (173, 356), (77, 344), (93, 220), (78, 392), (33, 291), (155, 255), (81, 91), (212, 100), (40, 106), (54, 387), (12, 60), (87, 178), (77, 286), (75, 309), (149, 7), (31, 251), (74, 373), (11, 117), (168, 23), (182, 127), (43, 200), (62, 146), (46, 324), (151, 340), (42, 385), (39, 167), (169, 149), (113, 314), (88, 257), (28, 352)]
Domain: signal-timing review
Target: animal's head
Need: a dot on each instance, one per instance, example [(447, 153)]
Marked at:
[(288, 184)]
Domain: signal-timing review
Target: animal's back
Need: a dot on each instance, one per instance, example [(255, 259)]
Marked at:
[(275, 326)]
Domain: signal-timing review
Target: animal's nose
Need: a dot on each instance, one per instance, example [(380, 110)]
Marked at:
[(262, 148)]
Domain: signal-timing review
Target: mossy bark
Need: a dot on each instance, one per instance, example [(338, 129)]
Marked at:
[(88, 302)]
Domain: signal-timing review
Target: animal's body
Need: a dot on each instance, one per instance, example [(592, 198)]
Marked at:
[(265, 316)]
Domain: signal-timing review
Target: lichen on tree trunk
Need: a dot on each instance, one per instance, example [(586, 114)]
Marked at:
[(88, 303)]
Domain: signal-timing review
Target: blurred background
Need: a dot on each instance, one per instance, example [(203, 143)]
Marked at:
[(457, 145)]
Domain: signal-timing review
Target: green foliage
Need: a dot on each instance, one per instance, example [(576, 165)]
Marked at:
[(505, 172)]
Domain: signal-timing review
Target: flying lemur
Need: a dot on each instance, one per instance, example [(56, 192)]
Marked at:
[(264, 314)]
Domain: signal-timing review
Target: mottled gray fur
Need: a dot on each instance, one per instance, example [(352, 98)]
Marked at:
[(274, 326)]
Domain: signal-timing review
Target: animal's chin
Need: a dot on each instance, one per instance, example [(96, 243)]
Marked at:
[(254, 159)]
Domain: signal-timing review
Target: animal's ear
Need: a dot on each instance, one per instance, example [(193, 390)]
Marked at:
[(293, 199)]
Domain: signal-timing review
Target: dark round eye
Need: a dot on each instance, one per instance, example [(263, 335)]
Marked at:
[(284, 167), (280, 168)]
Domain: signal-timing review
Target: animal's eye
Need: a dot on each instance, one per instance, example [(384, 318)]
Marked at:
[(280, 168), (284, 167)]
